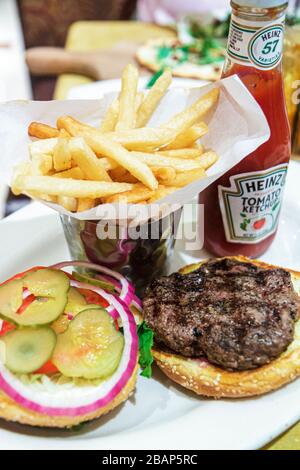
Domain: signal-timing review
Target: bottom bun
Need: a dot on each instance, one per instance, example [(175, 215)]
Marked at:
[(11, 411), (206, 379)]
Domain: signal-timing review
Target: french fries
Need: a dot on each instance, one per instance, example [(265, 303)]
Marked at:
[(134, 139), (179, 164), (69, 187), (79, 166), (87, 161), (45, 146), (108, 164), (109, 121), (187, 118), (22, 169), (138, 194), (118, 172), (74, 173), (85, 204), (163, 173), (144, 138), (138, 101), (186, 153), (127, 99), (62, 159), (106, 146), (72, 126), (121, 176), (207, 159), (69, 203), (42, 131), (162, 192), (188, 137), (42, 164), (187, 177), (153, 97)]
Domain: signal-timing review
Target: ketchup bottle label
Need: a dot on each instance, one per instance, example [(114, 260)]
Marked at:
[(256, 43), (250, 207)]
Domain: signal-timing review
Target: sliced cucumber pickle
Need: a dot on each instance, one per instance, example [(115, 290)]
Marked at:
[(76, 303), (91, 347), (94, 282), (50, 287), (28, 349), (47, 282), (11, 297)]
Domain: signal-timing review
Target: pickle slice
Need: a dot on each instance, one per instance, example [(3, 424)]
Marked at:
[(11, 298), (94, 282), (50, 288), (76, 303), (91, 347), (47, 282), (26, 350)]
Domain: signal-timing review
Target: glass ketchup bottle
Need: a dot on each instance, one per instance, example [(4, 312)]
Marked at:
[(241, 209)]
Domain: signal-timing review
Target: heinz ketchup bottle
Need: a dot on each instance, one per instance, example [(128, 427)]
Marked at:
[(241, 209)]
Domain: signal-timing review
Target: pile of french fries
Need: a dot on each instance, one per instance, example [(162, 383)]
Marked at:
[(122, 161)]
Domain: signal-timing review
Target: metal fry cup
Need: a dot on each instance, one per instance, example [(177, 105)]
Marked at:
[(139, 252)]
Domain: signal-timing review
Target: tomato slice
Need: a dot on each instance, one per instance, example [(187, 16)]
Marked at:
[(116, 325), (26, 302), (20, 275), (94, 298), (6, 327), (48, 369)]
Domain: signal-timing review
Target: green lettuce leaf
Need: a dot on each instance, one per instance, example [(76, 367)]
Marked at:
[(145, 335)]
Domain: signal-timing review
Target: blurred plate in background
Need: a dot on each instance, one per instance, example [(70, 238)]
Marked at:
[(98, 89)]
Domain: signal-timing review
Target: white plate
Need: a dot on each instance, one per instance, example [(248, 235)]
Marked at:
[(96, 90), (160, 415)]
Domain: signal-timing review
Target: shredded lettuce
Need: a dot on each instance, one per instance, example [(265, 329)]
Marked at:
[(145, 335), (49, 382)]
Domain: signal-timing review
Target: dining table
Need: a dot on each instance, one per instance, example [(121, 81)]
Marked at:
[(97, 35)]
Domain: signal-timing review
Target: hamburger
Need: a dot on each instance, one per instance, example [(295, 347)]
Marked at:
[(226, 327), (69, 344)]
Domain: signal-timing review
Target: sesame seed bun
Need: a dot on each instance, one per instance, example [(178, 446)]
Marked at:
[(209, 380)]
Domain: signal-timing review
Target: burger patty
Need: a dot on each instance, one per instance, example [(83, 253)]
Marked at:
[(236, 314)]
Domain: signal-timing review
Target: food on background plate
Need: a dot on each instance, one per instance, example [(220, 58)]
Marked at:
[(226, 327), (69, 344), (79, 166), (203, 60), (198, 27)]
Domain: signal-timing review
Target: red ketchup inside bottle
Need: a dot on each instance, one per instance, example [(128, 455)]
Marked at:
[(257, 213)]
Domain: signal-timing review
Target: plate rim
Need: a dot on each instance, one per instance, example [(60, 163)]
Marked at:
[(165, 430)]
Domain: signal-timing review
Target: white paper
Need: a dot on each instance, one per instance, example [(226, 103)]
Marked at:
[(236, 128)]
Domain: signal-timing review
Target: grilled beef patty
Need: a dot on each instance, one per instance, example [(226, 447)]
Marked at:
[(236, 314)]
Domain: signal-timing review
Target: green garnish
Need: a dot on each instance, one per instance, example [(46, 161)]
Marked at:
[(205, 51), (215, 28), (154, 77), (164, 52), (145, 335)]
